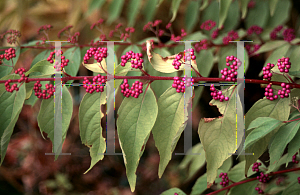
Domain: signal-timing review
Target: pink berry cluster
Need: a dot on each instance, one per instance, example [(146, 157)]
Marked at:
[(46, 27), (45, 93), (97, 85), (12, 36), (188, 56), (264, 178), (135, 90), (298, 179), (255, 167), (252, 48), (208, 25), (260, 191), (9, 54), (136, 59), (273, 34), (284, 92), (180, 85), (217, 95), (254, 29), (231, 75), (225, 179), (288, 34), (67, 28), (202, 45), (294, 158), (99, 54), (51, 58), (269, 93), (267, 71), (284, 64), (15, 87), (231, 36), (100, 21)]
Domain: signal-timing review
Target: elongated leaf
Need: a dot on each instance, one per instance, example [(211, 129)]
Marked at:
[(237, 173), (283, 136), (233, 17), (97, 67), (244, 7), (262, 126), (275, 166), (5, 70), (95, 4), (192, 15), (136, 119), (169, 125), (174, 8), (218, 136), (273, 4), (43, 67), (211, 12), (295, 59), (46, 116), (149, 10), (281, 14), (292, 189), (223, 11), (90, 125), (172, 191), (10, 107), (133, 10), (74, 56), (245, 189), (258, 15), (41, 56), (115, 9), (278, 109), (268, 46)]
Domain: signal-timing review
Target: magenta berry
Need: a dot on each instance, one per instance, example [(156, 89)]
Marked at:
[(188, 56), (14, 87), (264, 178), (45, 93), (8, 55), (267, 71), (225, 179), (254, 29), (208, 25), (299, 180), (255, 167), (97, 85), (284, 64), (217, 95), (294, 158), (135, 90), (136, 59), (260, 191), (51, 58), (231, 75), (99, 54)]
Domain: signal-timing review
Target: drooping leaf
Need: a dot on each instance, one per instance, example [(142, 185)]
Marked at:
[(278, 109), (132, 12), (90, 125), (258, 15), (11, 105), (275, 166), (233, 17), (270, 45), (74, 56), (223, 11), (295, 59), (46, 117), (115, 9), (136, 119), (192, 15), (292, 189), (149, 10), (169, 125), (218, 136), (174, 8), (5, 70), (41, 56), (97, 67), (244, 8), (273, 4), (281, 14)]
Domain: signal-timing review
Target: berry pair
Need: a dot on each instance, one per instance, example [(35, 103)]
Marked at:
[(136, 59), (45, 93), (135, 90), (294, 159), (99, 54), (97, 85), (51, 58), (284, 64), (9, 54), (189, 55), (217, 95), (231, 75), (260, 191), (267, 71), (225, 179)]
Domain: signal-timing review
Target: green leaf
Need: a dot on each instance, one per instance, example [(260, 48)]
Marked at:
[(192, 15), (278, 109), (270, 45), (273, 4), (95, 4), (294, 145), (195, 162), (195, 36), (169, 125), (41, 56), (115, 9), (211, 12), (96, 67), (281, 14), (223, 11), (74, 56), (132, 11), (244, 7), (46, 117), (204, 5), (275, 166), (10, 107), (149, 10), (43, 67), (233, 17), (258, 15), (160, 2), (295, 59), (90, 125), (5, 70), (218, 136), (245, 189), (172, 191), (292, 189), (136, 119), (283, 136), (237, 173), (174, 8), (262, 126)]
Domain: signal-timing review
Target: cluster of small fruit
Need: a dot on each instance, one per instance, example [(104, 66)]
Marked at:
[(64, 61), (97, 85), (9, 54), (284, 64), (231, 75), (45, 93), (135, 90), (283, 93), (294, 158), (137, 63), (225, 179), (15, 87), (217, 95), (189, 55), (99, 54)]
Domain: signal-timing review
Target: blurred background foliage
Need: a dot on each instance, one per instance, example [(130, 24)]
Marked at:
[(26, 168)]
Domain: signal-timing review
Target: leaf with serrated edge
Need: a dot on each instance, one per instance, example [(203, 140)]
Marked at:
[(278, 109), (90, 126), (46, 117), (169, 125), (218, 136), (136, 119), (10, 107)]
